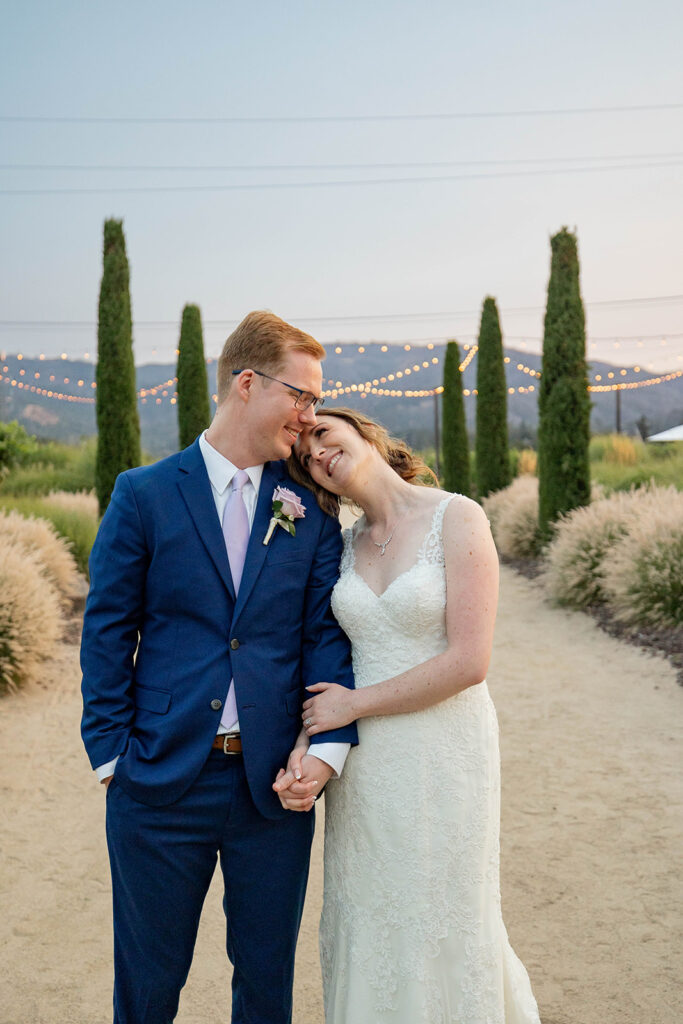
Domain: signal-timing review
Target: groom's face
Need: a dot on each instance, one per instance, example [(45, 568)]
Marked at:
[(275, 423)]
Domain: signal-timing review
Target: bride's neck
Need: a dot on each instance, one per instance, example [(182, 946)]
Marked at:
[(384, 497)]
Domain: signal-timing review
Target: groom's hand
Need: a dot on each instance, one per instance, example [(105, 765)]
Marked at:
[(300, 794)]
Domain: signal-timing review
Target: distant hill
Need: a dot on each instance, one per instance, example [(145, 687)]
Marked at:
[(411, 418)]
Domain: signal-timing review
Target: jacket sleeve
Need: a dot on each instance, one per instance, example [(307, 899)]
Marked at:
[(326, 654), (112, 622)]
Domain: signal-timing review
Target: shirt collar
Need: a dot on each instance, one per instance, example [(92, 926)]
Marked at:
[(221, 470)]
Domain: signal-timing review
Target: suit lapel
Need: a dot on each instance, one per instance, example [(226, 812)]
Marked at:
[(257, 550), (195, 488)]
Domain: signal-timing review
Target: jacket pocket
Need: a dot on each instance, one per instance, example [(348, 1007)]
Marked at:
[(152, 700), (293, 702)]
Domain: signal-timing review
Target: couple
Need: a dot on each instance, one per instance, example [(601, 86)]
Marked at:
[(205, 622)]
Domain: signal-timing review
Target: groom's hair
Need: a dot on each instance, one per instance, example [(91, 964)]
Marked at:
[(261, 342)]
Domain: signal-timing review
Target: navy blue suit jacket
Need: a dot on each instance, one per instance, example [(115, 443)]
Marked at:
[(163, 633)]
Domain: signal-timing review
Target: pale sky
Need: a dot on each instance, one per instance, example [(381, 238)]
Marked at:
[(388, 261)]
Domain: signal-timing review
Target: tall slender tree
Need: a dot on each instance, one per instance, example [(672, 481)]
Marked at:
[(492, 459), (194, 414), (456, 456), (563, 403), (118, 426)]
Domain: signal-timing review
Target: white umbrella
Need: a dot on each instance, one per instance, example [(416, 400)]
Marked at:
[(672, 434)]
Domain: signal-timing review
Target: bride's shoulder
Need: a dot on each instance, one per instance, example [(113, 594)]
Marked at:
[(461, 511)]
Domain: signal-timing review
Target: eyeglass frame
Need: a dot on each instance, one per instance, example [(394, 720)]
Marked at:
[(314, 401)]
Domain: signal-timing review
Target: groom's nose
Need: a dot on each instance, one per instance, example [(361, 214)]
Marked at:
[(307, 416)]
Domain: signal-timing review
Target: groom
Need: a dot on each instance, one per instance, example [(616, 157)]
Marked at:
[(198, 640)]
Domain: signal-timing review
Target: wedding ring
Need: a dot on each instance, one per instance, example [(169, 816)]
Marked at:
[(307, 721)]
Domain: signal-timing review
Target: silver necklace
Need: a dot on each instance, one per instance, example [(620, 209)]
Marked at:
[(383, 546)]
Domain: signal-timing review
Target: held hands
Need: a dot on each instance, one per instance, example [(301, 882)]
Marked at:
[(330, 709), (299, 786)]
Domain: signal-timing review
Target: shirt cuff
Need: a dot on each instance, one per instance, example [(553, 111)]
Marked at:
[(333, 754), (105, 770)]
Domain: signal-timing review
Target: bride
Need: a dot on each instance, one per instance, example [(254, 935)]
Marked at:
[(411, 929)]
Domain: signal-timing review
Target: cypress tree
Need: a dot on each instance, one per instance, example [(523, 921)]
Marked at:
[(491, 447), (194, 414), (563, 404), (118, 426), (456, 459)]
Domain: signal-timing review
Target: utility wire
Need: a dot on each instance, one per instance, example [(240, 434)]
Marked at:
[(334, 167), (251, 187), (365, 318), (338, 118)]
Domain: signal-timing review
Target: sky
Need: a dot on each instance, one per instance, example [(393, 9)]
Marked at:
[(286, 96)]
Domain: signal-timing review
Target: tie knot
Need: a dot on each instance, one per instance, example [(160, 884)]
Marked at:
[(240, 478)]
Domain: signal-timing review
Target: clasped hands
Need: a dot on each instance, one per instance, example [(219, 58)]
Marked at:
[(299, 784)]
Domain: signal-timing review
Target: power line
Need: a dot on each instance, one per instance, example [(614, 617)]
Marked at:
[(338, 118), (336, 166), (358, 318), (252, 187)]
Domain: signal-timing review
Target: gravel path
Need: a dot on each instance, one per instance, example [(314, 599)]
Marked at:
[(592, 804)]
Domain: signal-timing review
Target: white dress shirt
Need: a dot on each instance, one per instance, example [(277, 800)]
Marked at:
[(220, 472)]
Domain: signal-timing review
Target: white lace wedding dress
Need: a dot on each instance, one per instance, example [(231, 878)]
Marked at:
[(411, 929)]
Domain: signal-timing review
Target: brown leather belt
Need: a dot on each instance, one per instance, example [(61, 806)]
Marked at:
[(229, 743)]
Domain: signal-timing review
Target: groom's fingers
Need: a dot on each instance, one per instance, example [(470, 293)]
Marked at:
[(287, 781)]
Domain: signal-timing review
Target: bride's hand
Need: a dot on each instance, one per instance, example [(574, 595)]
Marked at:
[(331, 708)]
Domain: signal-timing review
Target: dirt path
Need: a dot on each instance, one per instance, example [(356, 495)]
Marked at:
[(592, 805)]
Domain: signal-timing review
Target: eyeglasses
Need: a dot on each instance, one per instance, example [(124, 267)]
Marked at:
[(304, 399)]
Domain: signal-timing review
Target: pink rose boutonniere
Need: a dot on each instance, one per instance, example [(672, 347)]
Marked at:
[(286, 508)]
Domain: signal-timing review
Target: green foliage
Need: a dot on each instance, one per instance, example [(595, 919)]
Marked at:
[(564, 406), (77, 527), (118, 426), (660, 464), (456, 460), (16, 447), (491, 447), (54, 467), (194, 414)]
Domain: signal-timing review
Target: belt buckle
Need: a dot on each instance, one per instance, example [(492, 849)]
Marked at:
[(228, 736)]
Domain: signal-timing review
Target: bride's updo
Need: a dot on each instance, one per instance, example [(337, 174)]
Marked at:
[(395, 452)]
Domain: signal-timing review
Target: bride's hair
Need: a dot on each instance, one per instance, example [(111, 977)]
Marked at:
[(395, 452)]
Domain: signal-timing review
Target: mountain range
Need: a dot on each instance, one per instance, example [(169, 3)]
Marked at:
[(23, 380)]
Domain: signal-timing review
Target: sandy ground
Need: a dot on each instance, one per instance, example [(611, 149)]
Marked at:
[(591, 829)]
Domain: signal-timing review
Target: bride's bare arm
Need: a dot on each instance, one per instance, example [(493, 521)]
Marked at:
[(471, 600)]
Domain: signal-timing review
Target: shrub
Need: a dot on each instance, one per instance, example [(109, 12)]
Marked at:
[(39, 538), (30, 621), (526, 462), (54, 467), (575, 558), (84, 502), (643, 573), (16, 446), (78, 526), (513, 514)]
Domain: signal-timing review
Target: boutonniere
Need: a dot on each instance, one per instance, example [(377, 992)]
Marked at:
[(286, 508)]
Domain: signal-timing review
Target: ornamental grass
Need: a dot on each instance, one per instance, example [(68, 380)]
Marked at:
[(39, 538), (30, 616), (574, 560), (513, 514), (643, 572)]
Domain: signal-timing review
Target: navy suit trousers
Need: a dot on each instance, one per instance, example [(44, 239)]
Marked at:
[(162, 861)]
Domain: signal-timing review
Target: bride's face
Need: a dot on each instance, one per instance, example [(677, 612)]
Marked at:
[(332, 452)]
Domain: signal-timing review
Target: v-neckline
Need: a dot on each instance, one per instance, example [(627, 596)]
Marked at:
[(418, 557)]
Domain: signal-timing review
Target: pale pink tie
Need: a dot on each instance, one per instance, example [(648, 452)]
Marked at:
[(236, 534)]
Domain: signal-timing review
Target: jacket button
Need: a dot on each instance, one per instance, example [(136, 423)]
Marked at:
[(216, 704), (234, 643)]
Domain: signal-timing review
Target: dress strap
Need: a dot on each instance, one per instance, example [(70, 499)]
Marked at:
[(348, 554), (432, 545)]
